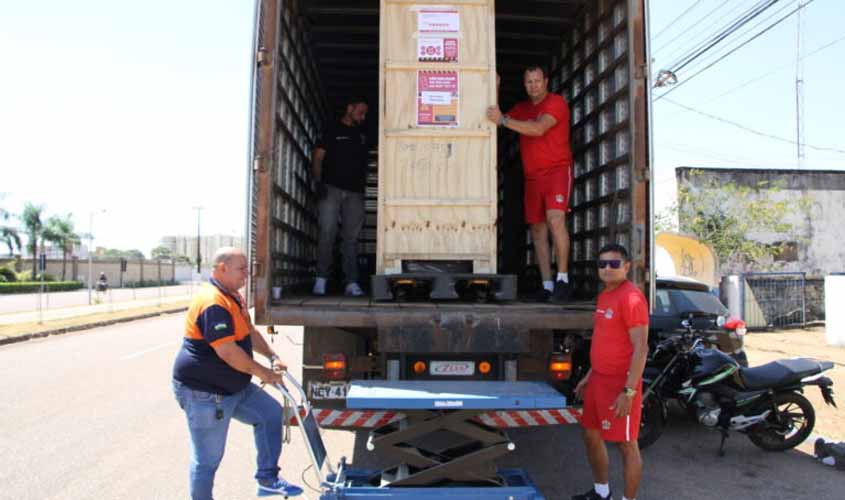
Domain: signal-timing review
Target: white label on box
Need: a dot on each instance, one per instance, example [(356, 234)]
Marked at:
[(438, 21), (429, 97)]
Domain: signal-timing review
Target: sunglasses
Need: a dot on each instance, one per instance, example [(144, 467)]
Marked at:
[(613, 263)]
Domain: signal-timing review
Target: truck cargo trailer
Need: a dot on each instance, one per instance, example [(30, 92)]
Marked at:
[(311, 55)]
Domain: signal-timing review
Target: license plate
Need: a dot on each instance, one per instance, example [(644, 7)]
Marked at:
[(328, 390), (452, 368)]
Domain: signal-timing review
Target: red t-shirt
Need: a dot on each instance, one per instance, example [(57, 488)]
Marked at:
[(545, 154), (617, 311)]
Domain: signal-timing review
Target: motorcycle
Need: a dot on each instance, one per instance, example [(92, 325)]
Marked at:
[(765, 402)]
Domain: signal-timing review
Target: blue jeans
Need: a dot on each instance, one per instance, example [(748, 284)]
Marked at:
[(208, 433)]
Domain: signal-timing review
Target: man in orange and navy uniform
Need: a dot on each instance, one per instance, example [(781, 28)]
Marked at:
[(211, 380), (612, 389)]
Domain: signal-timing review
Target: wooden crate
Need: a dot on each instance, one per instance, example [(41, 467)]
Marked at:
[(437, 184)]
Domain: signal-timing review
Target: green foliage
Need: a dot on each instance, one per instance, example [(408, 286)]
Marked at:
[(34, 228), (27, 276), (8, 274), (161, 252), (149, 283), (726, 216), (8, 234), (665, 220), (34, 286), (60, 231), (113, 253)]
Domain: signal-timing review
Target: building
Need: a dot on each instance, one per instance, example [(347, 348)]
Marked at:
[(187, 245), (815, 247)]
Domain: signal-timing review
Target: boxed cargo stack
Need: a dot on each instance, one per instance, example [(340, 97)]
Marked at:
[(437, 196)]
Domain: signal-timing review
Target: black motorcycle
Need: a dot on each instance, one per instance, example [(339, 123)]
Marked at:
[(764, 402)]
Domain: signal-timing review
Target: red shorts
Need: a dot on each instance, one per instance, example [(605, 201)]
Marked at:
[(599, 396), (550, 192)]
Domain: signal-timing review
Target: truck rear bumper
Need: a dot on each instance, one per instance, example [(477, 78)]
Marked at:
[(349, 312), (506, 419)]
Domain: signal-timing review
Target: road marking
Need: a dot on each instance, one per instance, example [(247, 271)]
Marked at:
[(145, 351)]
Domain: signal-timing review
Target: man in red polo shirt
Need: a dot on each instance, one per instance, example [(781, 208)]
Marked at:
[(543, 126), (612, 389)]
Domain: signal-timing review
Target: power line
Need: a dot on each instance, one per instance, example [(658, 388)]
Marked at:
[(772, 72), (719, 37), (706, 57), (749, 129), (684, 32), (673, 21), (758, 35)]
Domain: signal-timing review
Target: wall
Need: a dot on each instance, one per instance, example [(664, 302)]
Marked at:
[(822, 251), (147, 270)]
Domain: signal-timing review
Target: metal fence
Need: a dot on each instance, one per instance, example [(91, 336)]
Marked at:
[(774, 300)]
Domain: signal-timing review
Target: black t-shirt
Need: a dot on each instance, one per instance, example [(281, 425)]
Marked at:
[(345, 164)]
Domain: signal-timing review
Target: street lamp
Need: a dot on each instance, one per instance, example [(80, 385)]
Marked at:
[(199, 255), (91, 249)]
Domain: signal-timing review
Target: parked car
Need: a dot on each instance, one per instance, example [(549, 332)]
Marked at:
[(678, 298)]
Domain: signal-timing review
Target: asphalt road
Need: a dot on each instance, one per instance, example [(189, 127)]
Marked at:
[(91, 415), (29, 301)]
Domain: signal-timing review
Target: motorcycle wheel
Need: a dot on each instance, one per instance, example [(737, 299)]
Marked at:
[(790, 427), (652, 422)]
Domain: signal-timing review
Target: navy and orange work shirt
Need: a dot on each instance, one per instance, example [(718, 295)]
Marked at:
[(214, 317)]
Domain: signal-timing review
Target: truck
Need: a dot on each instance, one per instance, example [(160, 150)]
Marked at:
[(310, 55)]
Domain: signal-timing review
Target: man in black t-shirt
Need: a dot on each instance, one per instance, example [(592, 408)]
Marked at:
[(340, 167)]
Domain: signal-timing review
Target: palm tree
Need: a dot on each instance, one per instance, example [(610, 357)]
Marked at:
[(34, 228), (60, 231), (8, 234)]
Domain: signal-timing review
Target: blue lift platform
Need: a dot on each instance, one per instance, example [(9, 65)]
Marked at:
[(463, 470)]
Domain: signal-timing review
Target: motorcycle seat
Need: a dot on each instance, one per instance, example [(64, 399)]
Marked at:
[(780, 372)]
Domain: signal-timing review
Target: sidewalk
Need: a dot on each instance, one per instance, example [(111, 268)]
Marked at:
[(18, 327)]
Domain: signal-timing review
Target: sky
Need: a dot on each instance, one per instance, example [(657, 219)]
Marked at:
[(684, 138), (141, 108)]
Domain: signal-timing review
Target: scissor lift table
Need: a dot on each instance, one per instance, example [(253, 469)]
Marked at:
[(463, 469)]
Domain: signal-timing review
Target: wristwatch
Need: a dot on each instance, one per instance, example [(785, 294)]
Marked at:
[(504, 121), (629, 392)]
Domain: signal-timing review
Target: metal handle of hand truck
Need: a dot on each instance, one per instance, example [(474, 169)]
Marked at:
[(303, 400)]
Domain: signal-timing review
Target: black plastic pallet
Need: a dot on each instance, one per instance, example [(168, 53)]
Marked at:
[(444, 286)]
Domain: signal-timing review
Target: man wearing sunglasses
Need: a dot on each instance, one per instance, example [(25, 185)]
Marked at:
[(612, 389)]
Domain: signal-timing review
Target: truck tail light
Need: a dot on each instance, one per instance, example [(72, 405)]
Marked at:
[(419, 367), (484, 367), (334, 366), (560, 366)]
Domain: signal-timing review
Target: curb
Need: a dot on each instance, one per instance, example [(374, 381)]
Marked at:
[(86, 326)]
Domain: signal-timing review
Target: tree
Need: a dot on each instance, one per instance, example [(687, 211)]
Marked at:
[(161, 252), (60, 231), (727, 216), (113, 253), (8, 234), (34, 228)]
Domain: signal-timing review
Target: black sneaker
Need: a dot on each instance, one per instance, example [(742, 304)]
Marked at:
[(542, 295), (592, 495), (562, 292)]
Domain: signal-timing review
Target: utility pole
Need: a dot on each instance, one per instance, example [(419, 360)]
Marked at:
[(799, 88), (199, 254)]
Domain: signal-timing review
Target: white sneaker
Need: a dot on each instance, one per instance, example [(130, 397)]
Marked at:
[(319, 287), (353, 290)]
